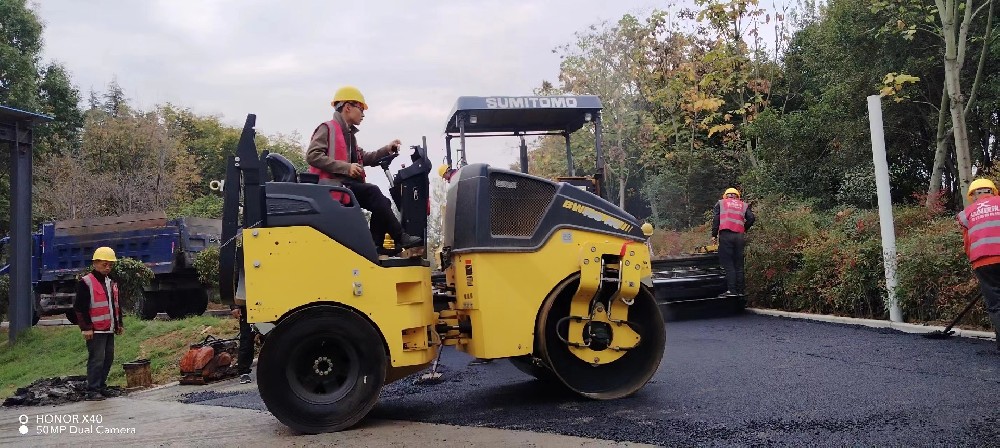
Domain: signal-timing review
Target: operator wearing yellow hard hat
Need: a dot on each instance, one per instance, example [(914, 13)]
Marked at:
[(980, 223), (731, 219), (100, 318), (335, 156)]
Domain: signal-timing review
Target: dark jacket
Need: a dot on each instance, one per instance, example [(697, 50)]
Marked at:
[(320, 154), (748, 218), (81, 305)]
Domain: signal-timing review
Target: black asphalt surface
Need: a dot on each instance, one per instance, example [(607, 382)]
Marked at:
[(744, 380)]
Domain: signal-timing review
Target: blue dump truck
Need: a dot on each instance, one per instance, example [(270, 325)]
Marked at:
[(62, 250)]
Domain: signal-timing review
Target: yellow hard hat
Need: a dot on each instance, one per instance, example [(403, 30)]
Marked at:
[(443, 169), (731, 190), (647, 229), (105, 253), (349, 93), (981, 183)]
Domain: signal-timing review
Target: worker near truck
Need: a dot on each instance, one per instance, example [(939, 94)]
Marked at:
[(980, 223), (335, 156), (731, 219), (100, 319)]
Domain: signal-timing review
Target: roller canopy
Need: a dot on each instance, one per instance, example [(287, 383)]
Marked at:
[(509, 114)]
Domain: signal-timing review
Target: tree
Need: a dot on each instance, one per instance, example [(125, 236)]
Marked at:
[(20, 46), (956, 40), (605, 62), (24, 84), (129, 162), (911, 18)]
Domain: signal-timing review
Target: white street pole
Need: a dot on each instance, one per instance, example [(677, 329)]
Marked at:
[(884, 204)]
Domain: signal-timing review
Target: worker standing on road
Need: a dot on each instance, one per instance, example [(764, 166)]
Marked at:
[(244, 359), (980, 223), (335, 156), (100, 319), (732, 218)]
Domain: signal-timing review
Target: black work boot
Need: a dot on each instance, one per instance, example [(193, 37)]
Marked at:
[(407, 241)]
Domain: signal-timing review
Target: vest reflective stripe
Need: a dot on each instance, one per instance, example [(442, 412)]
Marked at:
[(962, 219), (100, 309), (339, 144), (732, 215), (982, 219)]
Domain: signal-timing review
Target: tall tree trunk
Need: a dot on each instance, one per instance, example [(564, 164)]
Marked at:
[(941, 153), (623, 171), (954, 57)]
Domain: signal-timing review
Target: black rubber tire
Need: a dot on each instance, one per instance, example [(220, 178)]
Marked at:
[(149, 305), (328, 339), (197, 301), (175, 304), (36, 315), (71, 317)]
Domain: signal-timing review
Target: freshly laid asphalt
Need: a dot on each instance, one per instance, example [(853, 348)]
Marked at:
[(743, 380)]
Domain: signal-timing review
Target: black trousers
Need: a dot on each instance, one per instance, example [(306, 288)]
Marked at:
[(989, 284), (731, 248), (244, 359), (383, 221), (100, 357)]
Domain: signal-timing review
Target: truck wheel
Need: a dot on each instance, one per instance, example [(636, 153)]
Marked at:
[(36, 308), (149, 305), (321, 369), (197, 301), (71, 317), (176, 306)]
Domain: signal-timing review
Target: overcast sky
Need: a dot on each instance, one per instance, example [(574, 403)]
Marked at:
[(283, 60)]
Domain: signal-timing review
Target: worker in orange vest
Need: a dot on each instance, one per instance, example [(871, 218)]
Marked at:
[(100, 319), (732, 218), (335, 156), (980, 223)]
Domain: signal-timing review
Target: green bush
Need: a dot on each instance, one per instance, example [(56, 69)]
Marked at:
[(132, 276), (831, 262), (207, 265)]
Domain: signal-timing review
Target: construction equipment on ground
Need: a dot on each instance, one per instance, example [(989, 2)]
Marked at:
[(543, 273), (210, 360), (687, 285)]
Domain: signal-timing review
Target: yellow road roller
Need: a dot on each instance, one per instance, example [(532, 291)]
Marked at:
[(543, 273)]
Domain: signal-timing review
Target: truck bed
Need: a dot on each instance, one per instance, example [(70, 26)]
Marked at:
[(163, 245)]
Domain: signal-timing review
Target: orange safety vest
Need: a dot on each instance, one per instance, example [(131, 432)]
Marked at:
[(339, 145), (732, 215), (100, 309), (981, 219)]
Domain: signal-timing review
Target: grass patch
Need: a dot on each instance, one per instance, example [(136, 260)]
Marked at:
[(43, 352)]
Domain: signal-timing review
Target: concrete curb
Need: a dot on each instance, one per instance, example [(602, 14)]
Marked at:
[(898, 326)]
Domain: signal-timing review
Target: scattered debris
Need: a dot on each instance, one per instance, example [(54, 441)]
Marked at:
[(56, 390)]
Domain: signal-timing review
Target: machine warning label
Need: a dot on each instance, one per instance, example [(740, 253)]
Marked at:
[(468, 272)]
